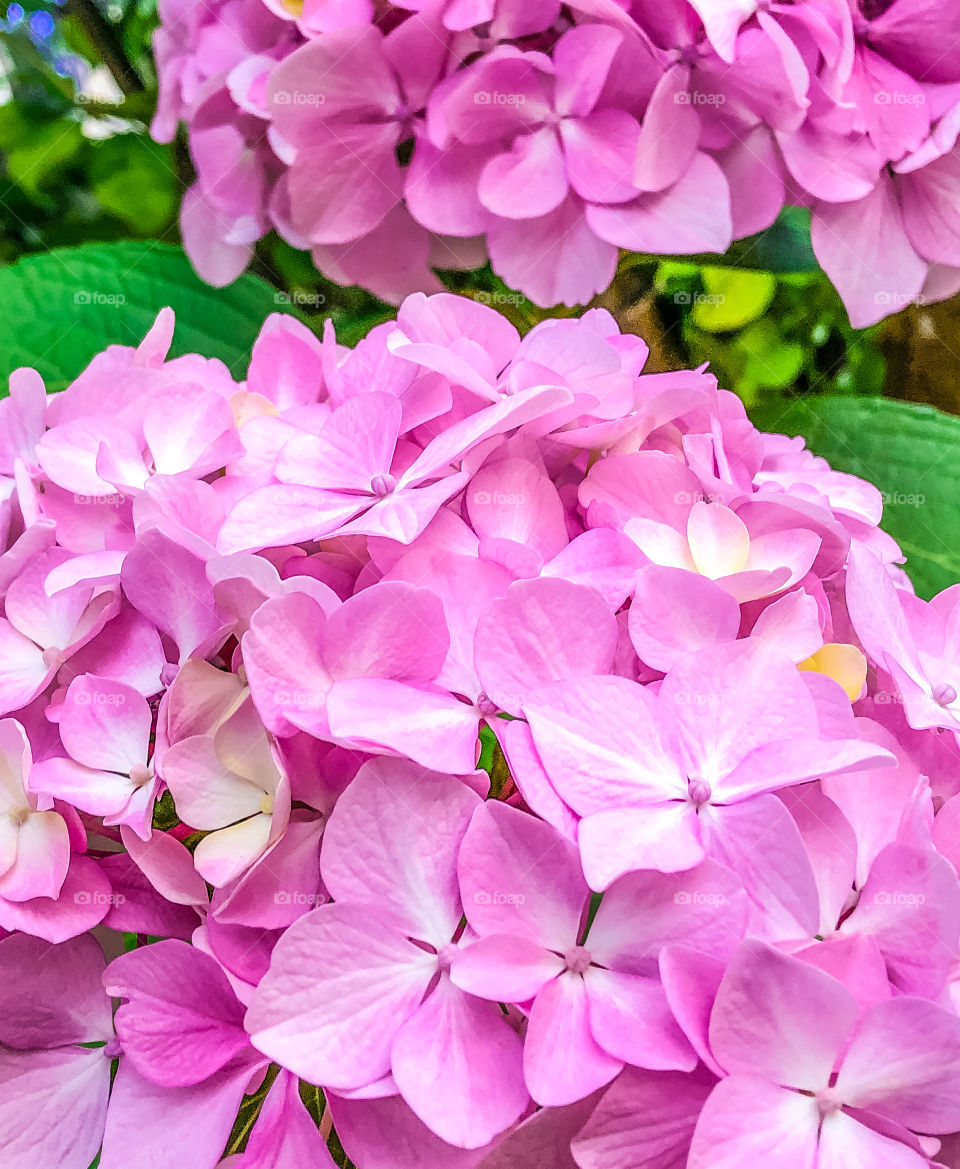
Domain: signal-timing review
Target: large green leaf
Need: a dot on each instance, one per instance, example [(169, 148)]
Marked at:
[(912, 453), (62, 307)]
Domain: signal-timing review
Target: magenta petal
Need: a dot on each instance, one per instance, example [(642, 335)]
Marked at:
[(528, 181), (51, 996), (191, 1125), (53, 1106), (384, 1133), (670, 133), (645, 1120), (182, 1023), (285, 1135)]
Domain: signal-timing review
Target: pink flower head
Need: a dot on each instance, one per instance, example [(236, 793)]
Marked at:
[(661, 781), (361, 989), (810, 1083)]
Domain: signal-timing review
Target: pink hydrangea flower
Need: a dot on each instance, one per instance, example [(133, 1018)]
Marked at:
[(479, 728)]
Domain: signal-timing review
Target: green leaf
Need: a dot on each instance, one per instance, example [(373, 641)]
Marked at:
[(64, 306), (732, 298), (912, 453), (783, 247)]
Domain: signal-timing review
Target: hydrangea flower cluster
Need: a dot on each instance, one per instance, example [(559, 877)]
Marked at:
[(396, 139), (500, 756)]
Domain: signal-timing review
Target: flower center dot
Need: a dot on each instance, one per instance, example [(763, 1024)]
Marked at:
[(577, 959)]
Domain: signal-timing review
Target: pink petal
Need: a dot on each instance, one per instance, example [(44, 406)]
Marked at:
[(601, 150), (520, 877), (504, 968), (670, 133), (340, 985), (664, 836), (285, 1135), (748, 1123), (904, 1063), (631, 1019), (864, 249), (392, 840), (562, 1062), (844, 1142), (51, 996), (779, 1018), (675, 612), (432, 728), (53, 1105), (645, 1120), (43, 857), (457, 1064), (528, 181), (105, 724), (191, 1125), (691, 216), (182, 1023), (601, 744), (543, 631)]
